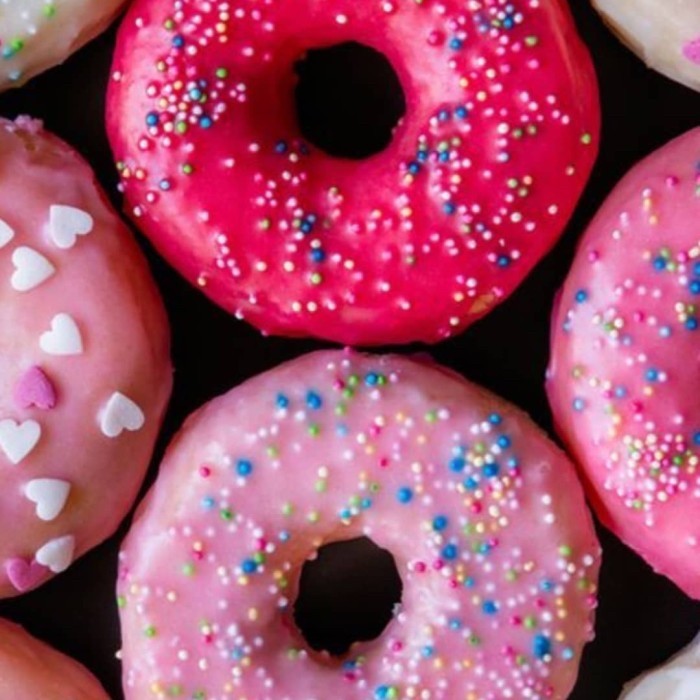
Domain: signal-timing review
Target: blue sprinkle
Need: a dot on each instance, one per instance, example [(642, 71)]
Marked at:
[(692, 324), (318, 255), (581, 296), (696, 438), (205, 122), (282, 401), (495, 419), (652, 375), (457, 464), (694, 286), (178, 41), (281, 147), (449, 208), (541, 646), (427, 651), (504, 442), (208, 503), (547, 586), (456, 44), (491, 469), (489, 607), (372, 379), (503, 261), (414, 168), (660, 263), (249, 566), (567, 654), (462, 112), (314, 401), (404, 495), (455, 624), (450, 552), (440, 522), (469, 582), (244, 467), (152, 118), (471, 483), (696, 268), (579, 404)]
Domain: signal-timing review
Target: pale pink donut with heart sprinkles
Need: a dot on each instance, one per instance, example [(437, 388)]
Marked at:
[(623, 380), (484, 517), (31, 670), (84, 360)]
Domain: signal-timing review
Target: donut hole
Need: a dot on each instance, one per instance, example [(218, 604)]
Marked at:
[(349, 100), (348, 593)]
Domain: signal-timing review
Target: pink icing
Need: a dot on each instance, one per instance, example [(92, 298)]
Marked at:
[(25, 575), (623, 378), (34, 388), (30, 670), (691, 50), (415, 243), (483, 514), (80, 321)]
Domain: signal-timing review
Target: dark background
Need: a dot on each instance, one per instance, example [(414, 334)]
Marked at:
[(642, 617)]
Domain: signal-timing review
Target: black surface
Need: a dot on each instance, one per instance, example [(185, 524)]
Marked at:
[(642, 619)]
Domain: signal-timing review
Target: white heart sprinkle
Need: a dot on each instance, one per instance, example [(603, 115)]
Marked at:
[(57, 555), (50, 496), (17, 440), (31, 269), (120, 414), (6, 234), (67, 223), (64, 337)]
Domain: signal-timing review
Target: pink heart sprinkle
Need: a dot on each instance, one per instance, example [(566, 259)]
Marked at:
[(24, 575), (692, 50), (35, 389)]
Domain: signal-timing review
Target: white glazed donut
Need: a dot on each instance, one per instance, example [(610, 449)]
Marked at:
[(39, 34), (664, 33), (679, 679)]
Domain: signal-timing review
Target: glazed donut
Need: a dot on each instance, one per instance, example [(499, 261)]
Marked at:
[(623, 380), (414, 243), (483, 515), (31, 670), (679, 679), (664, 33), (84, 360), (38, 34)]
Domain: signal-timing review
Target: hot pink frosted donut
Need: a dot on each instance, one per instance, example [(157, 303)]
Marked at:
[(84, 368), (31, 670), (482, 513), (414, 243), (623, 380)]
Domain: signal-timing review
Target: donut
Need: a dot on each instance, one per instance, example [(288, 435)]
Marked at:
[(665, 34), (623, 380), (31, 670), (483, 516), (678, 679), (413, 243), (38, 34), (84, 360)]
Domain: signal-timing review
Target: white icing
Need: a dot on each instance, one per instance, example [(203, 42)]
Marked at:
[(121, 413), (660, 32), (49, 495), (17, 440), (37, 34), (64, 338), (67, 223), (679, 679), (6, 233), (31, 269), (57, 555)]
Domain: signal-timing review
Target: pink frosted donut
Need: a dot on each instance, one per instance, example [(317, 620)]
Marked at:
[(31, 670), (84, 363), (413, 243), (483, 515), (623, 380)]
